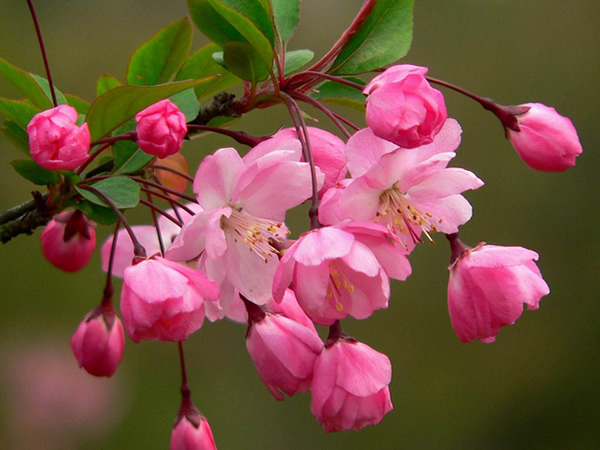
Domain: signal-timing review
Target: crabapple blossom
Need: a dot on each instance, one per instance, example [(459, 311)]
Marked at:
[(191, 431), (99, 342), (410, 191), (69, 240), (348, 266), (244, 202), (161, 128), (163, 300), (403, 108), (545, 140), (350, 388), (488, 286), (283, 350), (56, 142)]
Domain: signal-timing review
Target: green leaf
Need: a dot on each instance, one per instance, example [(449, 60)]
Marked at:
[(121, 191), (340, 94), (60, 98), (34, 173), (211, 23), (136, 160), (25, 83), (17, 135), (286, 14), (253, 21), (80, 105), (105, 83), (201, 64), (117, 106), (242, 60), (156, 61), (382, 39), (187, 103), (296, 59), (99, 214), (18, 110)]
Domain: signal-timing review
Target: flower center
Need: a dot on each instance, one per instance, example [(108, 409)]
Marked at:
[(338, 285), (259, 235), (404, 219)]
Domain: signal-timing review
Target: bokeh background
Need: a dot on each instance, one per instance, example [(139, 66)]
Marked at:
[(537, 387)]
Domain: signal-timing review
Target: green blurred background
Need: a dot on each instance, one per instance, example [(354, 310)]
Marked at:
[(536, 387)]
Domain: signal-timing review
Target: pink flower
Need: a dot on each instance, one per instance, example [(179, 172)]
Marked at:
[(546, 140), (192, 431), (244, 202), (410, 191), (350, 387), (162, 300), (68, 241), (99, 342), (55, 140), (403, 108), (327, 149), (488, 286), (283, 349), (161, 128), (341, 270)]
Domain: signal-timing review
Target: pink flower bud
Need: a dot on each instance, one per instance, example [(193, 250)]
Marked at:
[(162, 300), (173, 179), (488, 286), (403, 108), (99, 342), (284, 350), (192, 432), (68, 241), (55, 140), (546, 140), (161, 128), (350, 388)]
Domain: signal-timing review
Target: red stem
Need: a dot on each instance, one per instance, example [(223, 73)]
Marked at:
[(38, 31)]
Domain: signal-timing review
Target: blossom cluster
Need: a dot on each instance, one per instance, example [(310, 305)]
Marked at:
[(229, 253)]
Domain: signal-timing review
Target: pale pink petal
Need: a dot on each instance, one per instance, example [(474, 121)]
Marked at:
[(217, 177)]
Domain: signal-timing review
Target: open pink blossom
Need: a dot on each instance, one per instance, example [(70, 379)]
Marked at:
[(341, 270), (403, 108), (69, 240), (163, 300), (56, 142), (350, 388), (412, 192), (488, 286), (328, 152), (191, 430), (546, 140), (244, 202), (99, 342), (283, 350), (161, 128)]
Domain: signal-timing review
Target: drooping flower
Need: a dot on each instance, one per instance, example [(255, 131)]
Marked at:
[(244, 202), (412, 192), (546, 140), (191, 430), (69, 240), (163, 300), (283, 349), (99, 342), (341, 270), (350, 388), (56, 142), (488, 286), (403, 108), (161, 128)]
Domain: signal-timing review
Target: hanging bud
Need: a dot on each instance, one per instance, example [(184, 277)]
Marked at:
[(191, 430), (99, 342), (543, 138), (68, 241), (161, 128)]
